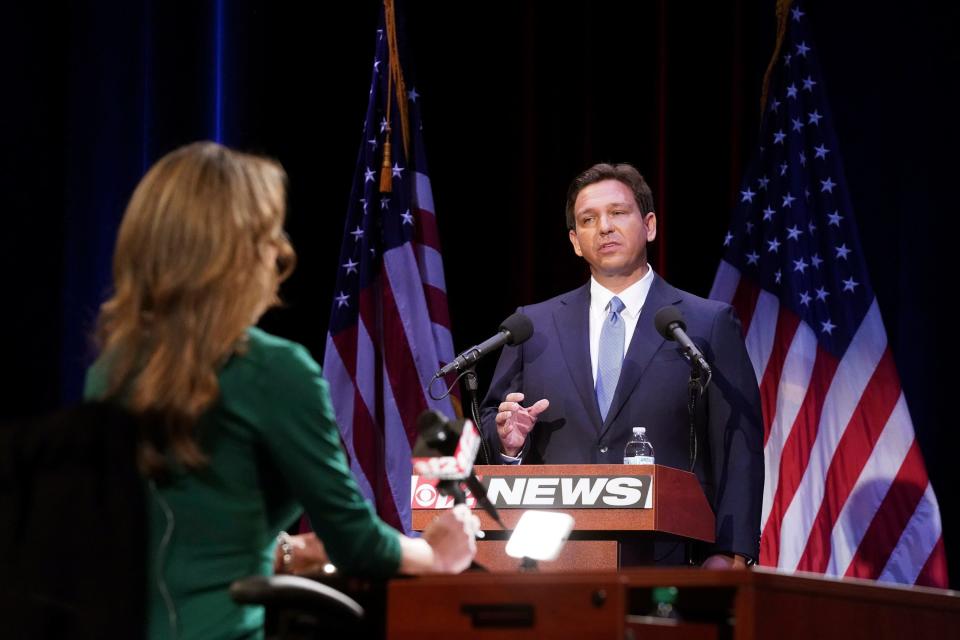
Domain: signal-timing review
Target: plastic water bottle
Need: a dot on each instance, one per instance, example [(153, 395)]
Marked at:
[(665, 601), (639, 450)]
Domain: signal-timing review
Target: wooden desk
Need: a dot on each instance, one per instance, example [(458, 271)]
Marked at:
[(742, 605)]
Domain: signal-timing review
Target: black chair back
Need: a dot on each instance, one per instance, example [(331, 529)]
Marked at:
[(72, 526)]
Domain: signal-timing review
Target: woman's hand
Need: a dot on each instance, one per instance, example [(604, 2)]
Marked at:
[(452, 537), (299, 555)]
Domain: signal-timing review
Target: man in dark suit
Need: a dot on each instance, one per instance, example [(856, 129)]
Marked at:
[(597, 368)]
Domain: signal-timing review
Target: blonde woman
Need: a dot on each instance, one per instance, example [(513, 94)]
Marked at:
[(239, 428)]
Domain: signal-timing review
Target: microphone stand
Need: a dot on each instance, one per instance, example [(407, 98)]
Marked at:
[(695, 389), (470, 386)]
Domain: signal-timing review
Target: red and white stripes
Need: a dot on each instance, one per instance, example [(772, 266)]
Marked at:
[(846, 492), (379, 370)]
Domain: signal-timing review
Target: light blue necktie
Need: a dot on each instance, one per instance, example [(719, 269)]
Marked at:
[(611, 355)]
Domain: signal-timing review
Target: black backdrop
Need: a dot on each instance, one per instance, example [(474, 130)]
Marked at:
[(517, 98)]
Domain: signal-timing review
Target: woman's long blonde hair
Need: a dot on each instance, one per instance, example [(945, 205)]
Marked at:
[(199, 257)]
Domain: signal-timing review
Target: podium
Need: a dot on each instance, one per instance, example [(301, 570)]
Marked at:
[(606, 535)]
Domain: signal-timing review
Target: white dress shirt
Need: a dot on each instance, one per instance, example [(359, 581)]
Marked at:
[(632, 297)]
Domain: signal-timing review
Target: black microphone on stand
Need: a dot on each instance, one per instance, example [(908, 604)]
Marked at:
[(670, 324), (514, 330)]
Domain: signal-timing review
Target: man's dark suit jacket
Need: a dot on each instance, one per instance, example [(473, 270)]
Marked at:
[(652, 392)]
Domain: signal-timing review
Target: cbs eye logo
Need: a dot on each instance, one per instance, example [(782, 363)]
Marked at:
[(426, 495)]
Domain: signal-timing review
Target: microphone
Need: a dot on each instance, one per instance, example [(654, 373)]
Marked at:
[(514, 330), (446, 451), (670, 324)]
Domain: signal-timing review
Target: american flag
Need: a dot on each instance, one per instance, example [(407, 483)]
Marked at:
[(389, 324), (846, 492)]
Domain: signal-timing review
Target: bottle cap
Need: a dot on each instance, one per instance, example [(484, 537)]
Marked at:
[(639, 430), (664, 595)]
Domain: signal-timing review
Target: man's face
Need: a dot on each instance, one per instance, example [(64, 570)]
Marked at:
[(611, 232)]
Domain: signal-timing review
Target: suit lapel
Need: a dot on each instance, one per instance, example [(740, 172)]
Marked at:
[(645, 342), (572, 320)]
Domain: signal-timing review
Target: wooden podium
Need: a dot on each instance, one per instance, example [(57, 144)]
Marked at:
[(710, 605), (603, 538)]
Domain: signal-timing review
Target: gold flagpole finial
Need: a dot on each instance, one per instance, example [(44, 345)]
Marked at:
[(396, 87), (396, 72)]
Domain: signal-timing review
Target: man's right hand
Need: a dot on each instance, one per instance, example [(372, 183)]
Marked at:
[(515, 422)]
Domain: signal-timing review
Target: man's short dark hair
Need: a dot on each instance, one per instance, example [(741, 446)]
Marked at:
[(624, 173)]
